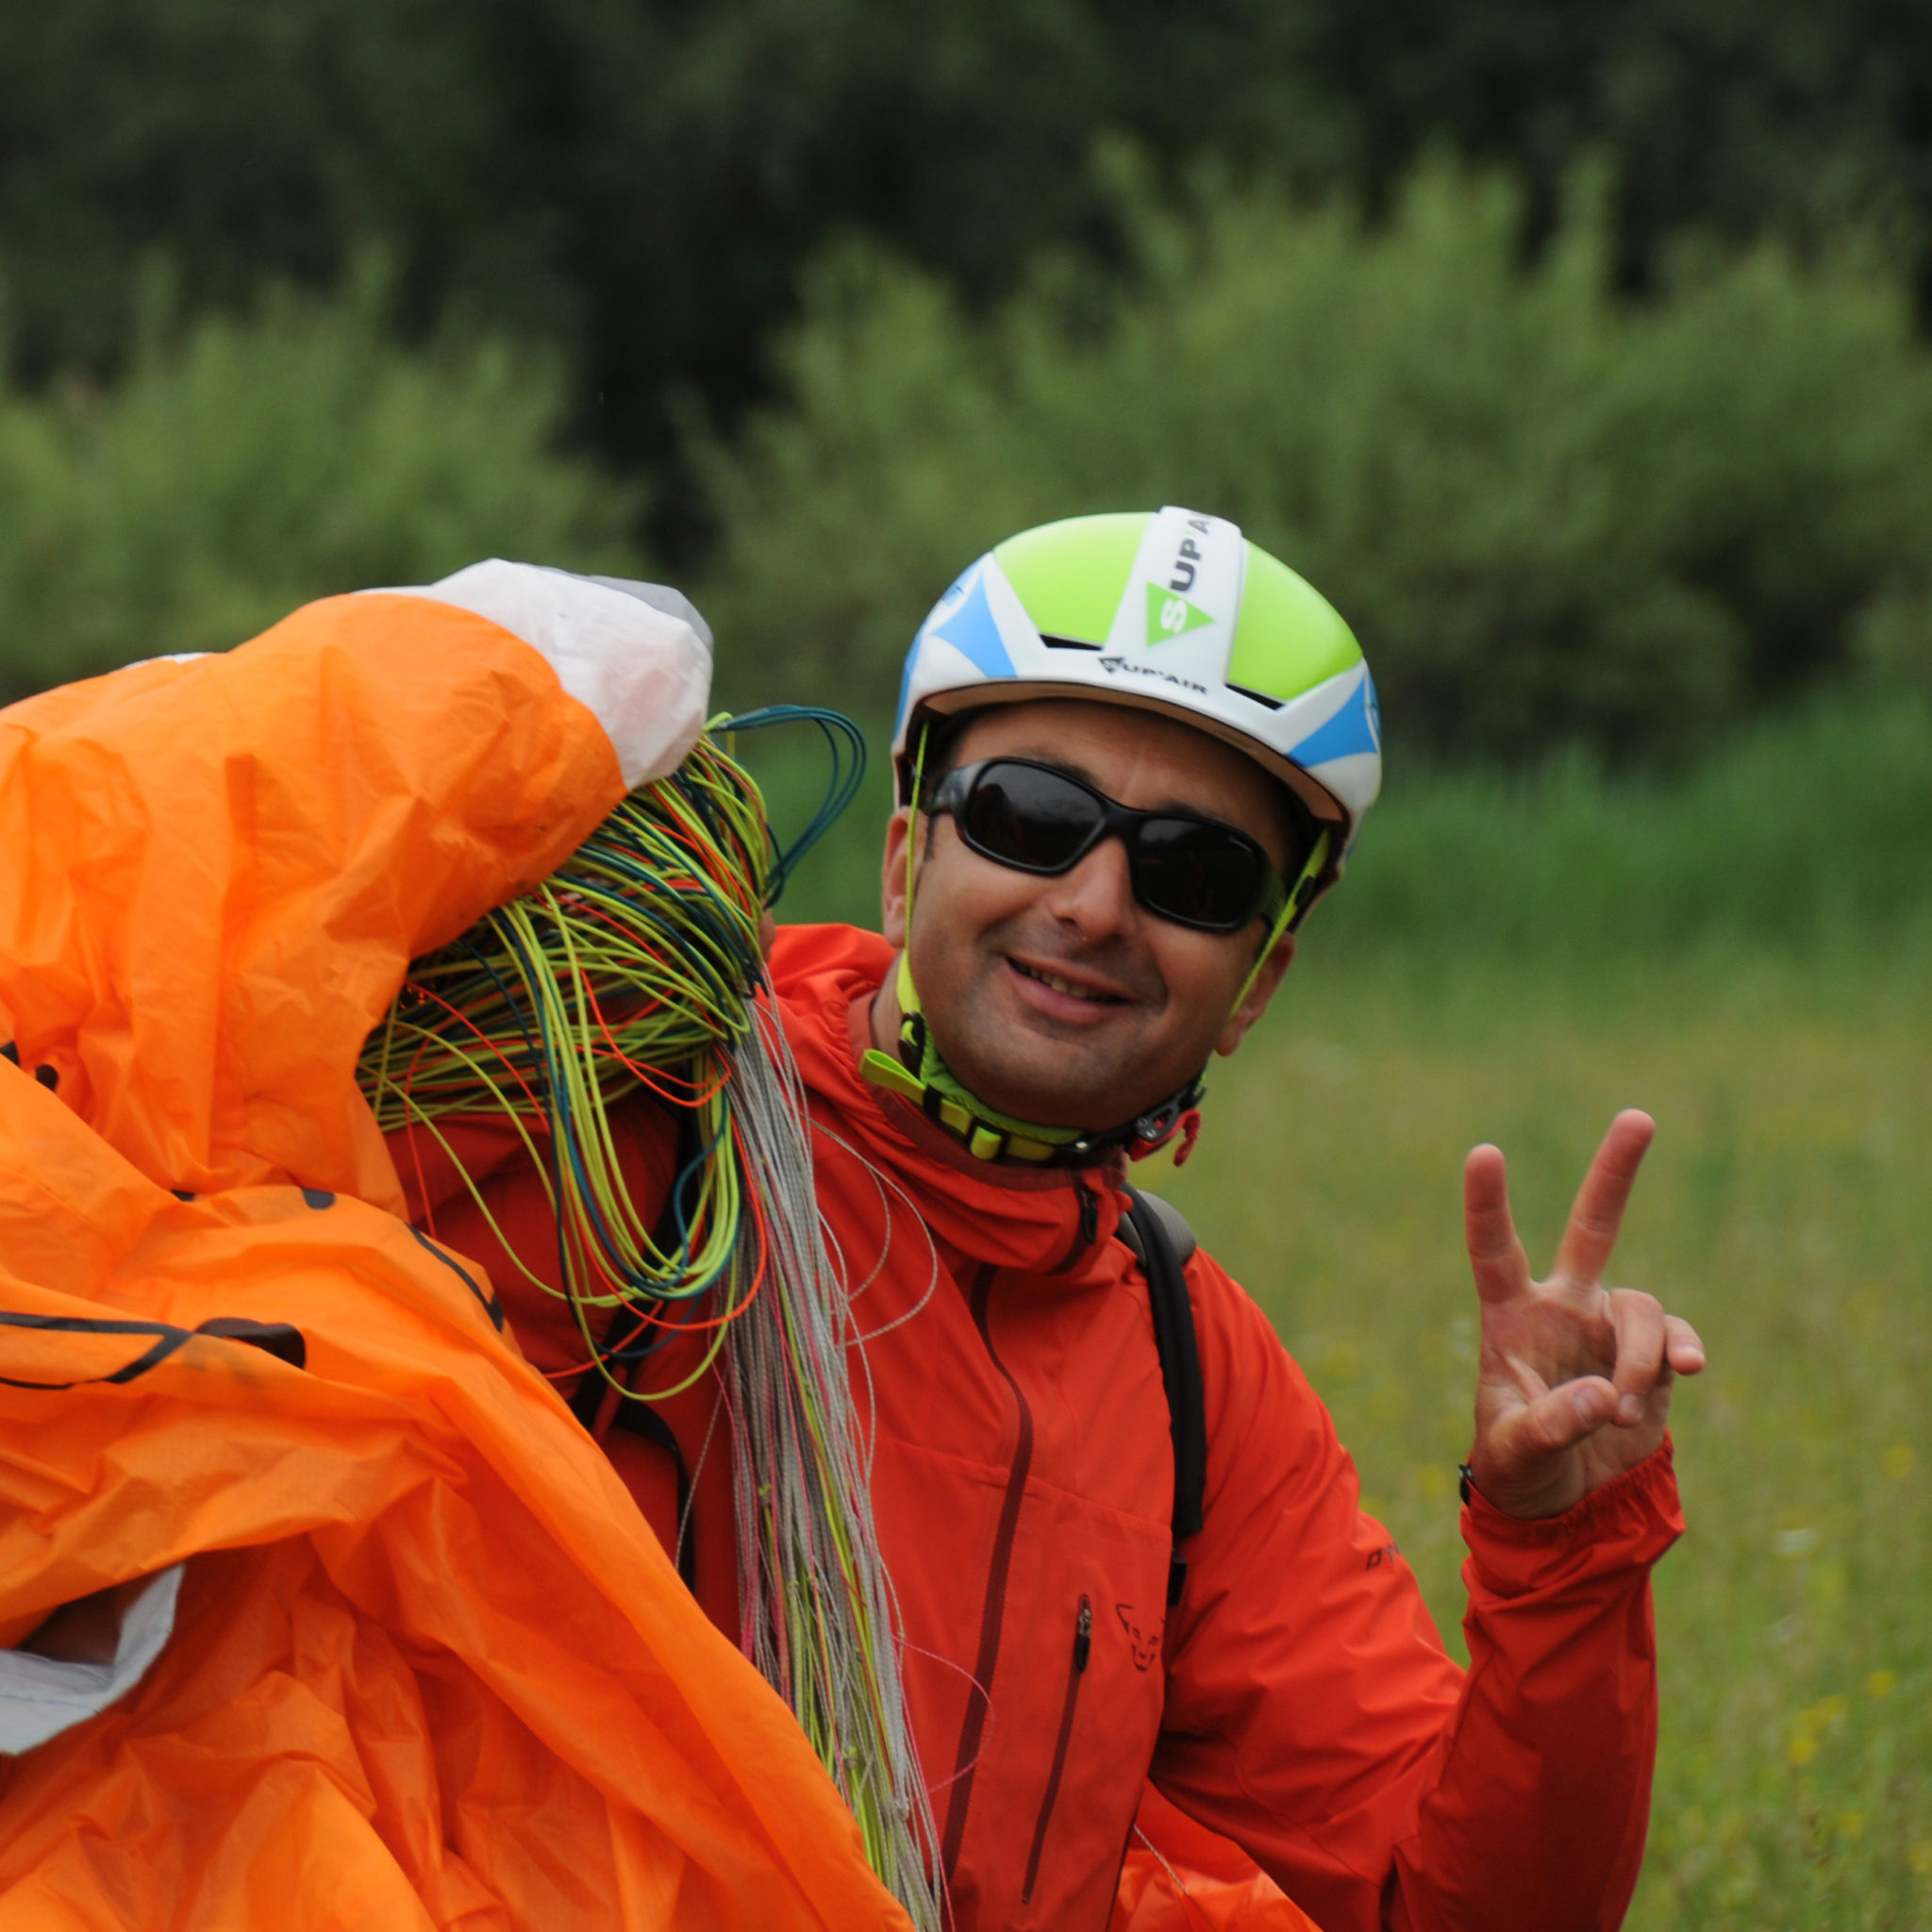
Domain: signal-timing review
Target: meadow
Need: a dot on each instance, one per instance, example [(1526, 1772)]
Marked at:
[(1785, 1210), (1743, 951)]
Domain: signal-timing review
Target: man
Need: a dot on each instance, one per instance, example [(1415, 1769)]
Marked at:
[(1131, 751)]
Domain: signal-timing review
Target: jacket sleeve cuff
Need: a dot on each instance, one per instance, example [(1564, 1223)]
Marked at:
[(1627, 1523)]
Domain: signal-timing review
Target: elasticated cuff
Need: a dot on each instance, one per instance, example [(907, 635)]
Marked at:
[(1627, 1523)]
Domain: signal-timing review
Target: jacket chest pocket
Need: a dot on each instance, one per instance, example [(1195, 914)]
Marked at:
[(1089, 1730), (1080, 1656)]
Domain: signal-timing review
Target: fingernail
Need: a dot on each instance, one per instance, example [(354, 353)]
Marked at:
[(1629, 1409)]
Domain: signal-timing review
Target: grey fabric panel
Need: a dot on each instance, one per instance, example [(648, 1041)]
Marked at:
[(1173, 1219), (659, 597), (39, 1697)]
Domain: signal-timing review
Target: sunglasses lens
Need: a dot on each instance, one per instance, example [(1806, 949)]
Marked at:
[(1193, 871), (1201, 874), (1028, 818)]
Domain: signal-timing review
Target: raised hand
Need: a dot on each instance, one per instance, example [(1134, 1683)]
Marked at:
[(1574, 1384)]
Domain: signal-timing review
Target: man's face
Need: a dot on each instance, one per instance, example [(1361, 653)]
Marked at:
[(1065, 1001)]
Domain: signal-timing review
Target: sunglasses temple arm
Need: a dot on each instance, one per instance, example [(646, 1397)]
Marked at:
[(1290, 904)]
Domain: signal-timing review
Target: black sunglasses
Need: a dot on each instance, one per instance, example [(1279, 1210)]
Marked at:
[(1195, 872)]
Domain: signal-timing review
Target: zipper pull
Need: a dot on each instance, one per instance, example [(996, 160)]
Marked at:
[(1083, 1634)]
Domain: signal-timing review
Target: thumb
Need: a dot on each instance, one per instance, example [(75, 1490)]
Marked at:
[(1550, 1426)]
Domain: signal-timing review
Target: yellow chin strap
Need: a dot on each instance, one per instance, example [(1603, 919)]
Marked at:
[(1290, 915), (988, 1134)]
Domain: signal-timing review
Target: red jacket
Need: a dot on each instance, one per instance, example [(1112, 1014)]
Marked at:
[(1297, 1700)]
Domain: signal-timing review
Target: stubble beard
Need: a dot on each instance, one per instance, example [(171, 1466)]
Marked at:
[(1019, 1063)]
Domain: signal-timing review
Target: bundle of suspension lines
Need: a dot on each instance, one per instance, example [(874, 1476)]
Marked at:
[(637, 966)]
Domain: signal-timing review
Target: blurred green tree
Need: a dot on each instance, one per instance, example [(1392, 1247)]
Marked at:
[(1552, 515), (637, 182), (241, 467)]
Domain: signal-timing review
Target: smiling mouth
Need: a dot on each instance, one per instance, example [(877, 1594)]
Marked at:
[(1068, 987)]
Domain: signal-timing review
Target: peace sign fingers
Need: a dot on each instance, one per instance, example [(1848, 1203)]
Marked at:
[(1598, 1212), (1564, 1360), (1495, 1252)]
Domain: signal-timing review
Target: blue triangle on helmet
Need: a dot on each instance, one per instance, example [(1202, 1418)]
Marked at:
[(975, 633), (1356, 727)]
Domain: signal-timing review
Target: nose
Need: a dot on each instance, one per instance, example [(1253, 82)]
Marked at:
[(1096, 897)]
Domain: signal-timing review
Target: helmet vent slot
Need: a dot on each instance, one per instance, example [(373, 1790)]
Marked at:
[(1070, 645), (1256, 697)]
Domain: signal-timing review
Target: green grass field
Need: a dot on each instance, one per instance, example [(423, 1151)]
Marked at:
[(1746, 955), (1786, 1209)]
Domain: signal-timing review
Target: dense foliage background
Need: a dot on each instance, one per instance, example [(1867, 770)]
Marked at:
[(1552, 515), (641, 180), (1573, 350)]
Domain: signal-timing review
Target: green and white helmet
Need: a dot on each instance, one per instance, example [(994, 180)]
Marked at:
[(1174, 612)]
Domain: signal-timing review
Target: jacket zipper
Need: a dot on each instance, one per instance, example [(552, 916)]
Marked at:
[(994, 1615), (1083, 1647), (1086, 1233)]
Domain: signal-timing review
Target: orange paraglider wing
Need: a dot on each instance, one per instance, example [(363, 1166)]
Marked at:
[(1179, 1876), (428, 1666)]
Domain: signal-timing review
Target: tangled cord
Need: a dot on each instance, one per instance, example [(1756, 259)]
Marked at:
[(636, 966), (631, 967), (818, 1613)]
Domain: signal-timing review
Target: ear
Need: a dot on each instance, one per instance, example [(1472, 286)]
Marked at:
[(1280, 957), (893, 878)]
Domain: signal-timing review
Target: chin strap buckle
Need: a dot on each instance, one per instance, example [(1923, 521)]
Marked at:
[(1180, 1114)]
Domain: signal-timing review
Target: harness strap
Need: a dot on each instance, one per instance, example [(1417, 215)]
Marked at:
[(1147, 1231)]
